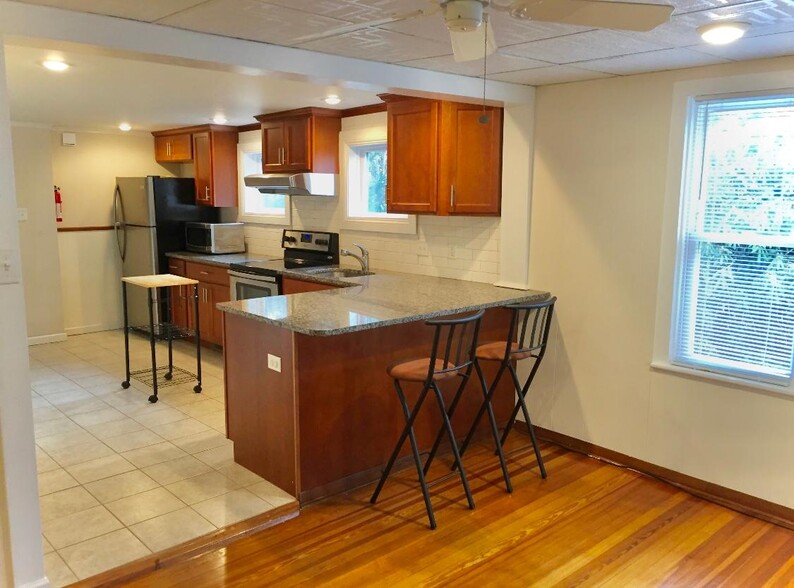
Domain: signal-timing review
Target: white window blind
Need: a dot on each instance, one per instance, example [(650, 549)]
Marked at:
[(734, 301)]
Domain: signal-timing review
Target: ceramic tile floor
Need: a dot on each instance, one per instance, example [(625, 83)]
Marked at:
[(120, 478)]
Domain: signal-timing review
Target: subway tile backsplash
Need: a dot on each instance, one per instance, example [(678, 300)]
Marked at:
[(465, 248)]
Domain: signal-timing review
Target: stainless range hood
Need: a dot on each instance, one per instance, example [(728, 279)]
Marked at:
[(294, 185)]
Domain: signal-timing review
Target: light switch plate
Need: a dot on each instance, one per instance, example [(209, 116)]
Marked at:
[(9, 268), (274, 363)]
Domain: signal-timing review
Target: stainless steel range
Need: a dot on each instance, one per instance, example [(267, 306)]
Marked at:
[(302, 249)]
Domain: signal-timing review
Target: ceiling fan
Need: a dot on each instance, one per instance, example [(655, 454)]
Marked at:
[(471, 40)]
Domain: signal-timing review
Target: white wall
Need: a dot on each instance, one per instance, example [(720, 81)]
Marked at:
[(90, 267), (21, 561), (599, 188), (41, 266), (475, 239)]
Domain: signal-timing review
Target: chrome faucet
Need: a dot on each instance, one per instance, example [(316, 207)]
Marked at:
[(363, 259)]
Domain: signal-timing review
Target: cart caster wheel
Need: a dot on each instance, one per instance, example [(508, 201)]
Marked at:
[(125, 384), (197, 388), (152, 398), (169, 375)]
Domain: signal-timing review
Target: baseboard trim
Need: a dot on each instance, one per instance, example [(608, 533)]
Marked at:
[(40, 583), (84, 330), (44, 339), (732, 499), (124, 574)]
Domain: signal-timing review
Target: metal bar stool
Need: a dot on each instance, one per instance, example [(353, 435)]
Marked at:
[(452, 355), (527, 336)]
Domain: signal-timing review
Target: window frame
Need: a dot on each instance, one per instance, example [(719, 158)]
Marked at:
[(366, 131), (668, 288), (251, 142)]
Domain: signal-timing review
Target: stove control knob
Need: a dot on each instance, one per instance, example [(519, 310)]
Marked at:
[(290, 239), (321, 241)]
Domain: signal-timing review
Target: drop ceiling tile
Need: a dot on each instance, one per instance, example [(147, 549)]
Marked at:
[(497, 63), (582, 47), (555, 74), (663, 59), (379, 45), (146, 11), (252, 20), (752, 47), (355, 11)]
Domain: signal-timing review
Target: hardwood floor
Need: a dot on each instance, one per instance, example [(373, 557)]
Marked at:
[(588, 524)]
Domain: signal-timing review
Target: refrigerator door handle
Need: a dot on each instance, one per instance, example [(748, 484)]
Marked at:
[(121, 240)]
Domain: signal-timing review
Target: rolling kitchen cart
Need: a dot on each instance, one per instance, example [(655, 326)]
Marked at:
[(171, 375)]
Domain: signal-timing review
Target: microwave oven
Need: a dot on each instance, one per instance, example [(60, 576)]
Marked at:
[(214, 237)]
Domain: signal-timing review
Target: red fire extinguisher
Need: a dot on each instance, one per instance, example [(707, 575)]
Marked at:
[(58, 205)]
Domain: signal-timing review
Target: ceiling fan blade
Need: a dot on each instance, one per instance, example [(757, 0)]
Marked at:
[(629, 16), (359, 26), (473, 45)]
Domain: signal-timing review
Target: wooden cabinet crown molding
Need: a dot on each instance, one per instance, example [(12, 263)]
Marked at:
[(299, 113), (193, 129)]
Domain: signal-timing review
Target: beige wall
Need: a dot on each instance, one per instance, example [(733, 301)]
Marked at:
[(601, 155), (41, 266), (90, 267)]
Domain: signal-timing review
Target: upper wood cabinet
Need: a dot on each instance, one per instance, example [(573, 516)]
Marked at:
[(176, 148), (303, 140), (445, 158), (213, 151)]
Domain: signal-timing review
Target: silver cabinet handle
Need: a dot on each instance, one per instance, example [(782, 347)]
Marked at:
[(204, 273), (452, 196), (283, 155), (206, 192)]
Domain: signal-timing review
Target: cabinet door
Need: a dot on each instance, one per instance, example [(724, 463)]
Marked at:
[(273, 147), (162, 149), (412, 173), (206, 329), (471, 160), (297, 145), (219, 294), (202, 155), (181, 147), (293, 286)]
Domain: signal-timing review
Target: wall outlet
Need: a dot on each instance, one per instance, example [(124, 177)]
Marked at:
[(453, 251), (422, 249), (274, 362), (22, 214)]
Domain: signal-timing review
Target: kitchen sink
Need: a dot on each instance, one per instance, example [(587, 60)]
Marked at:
[(341, 273)]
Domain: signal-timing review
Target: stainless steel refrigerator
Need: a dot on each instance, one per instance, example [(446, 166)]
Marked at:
[(149, 220)]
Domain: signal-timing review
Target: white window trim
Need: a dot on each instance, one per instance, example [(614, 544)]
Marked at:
[(370, 132), (249, 145), (772, 82)]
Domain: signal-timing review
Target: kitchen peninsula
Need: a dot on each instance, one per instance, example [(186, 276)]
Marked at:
[(309, 405)]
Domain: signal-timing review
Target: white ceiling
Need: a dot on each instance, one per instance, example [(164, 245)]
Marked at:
[(101, 90)]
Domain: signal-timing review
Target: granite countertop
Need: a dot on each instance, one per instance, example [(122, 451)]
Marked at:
[(378, 300), (221, 260)]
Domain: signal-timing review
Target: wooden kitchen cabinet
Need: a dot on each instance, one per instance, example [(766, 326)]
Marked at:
[(213, 288), (303, 140), (443, 159), (295, 286), (180, 296), (215, 166), (176, 148)]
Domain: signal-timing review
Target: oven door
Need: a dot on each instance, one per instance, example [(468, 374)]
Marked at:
[(245, 286)]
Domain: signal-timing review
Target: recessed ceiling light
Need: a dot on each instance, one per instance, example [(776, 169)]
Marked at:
[(219, 119), (55, 65), (722, 33), (332, 99), (125, 126)]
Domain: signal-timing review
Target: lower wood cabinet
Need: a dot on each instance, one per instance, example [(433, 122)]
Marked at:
[(213, 288), (295, 286)]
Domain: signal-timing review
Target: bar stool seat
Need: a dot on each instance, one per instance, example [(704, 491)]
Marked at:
[(416, 370), (495, 351), (452, 355)]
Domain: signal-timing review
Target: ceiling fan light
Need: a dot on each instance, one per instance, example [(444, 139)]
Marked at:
[(463, 15), (722, 33)]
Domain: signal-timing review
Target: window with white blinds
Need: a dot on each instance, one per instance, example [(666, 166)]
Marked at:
[(733, 309)]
